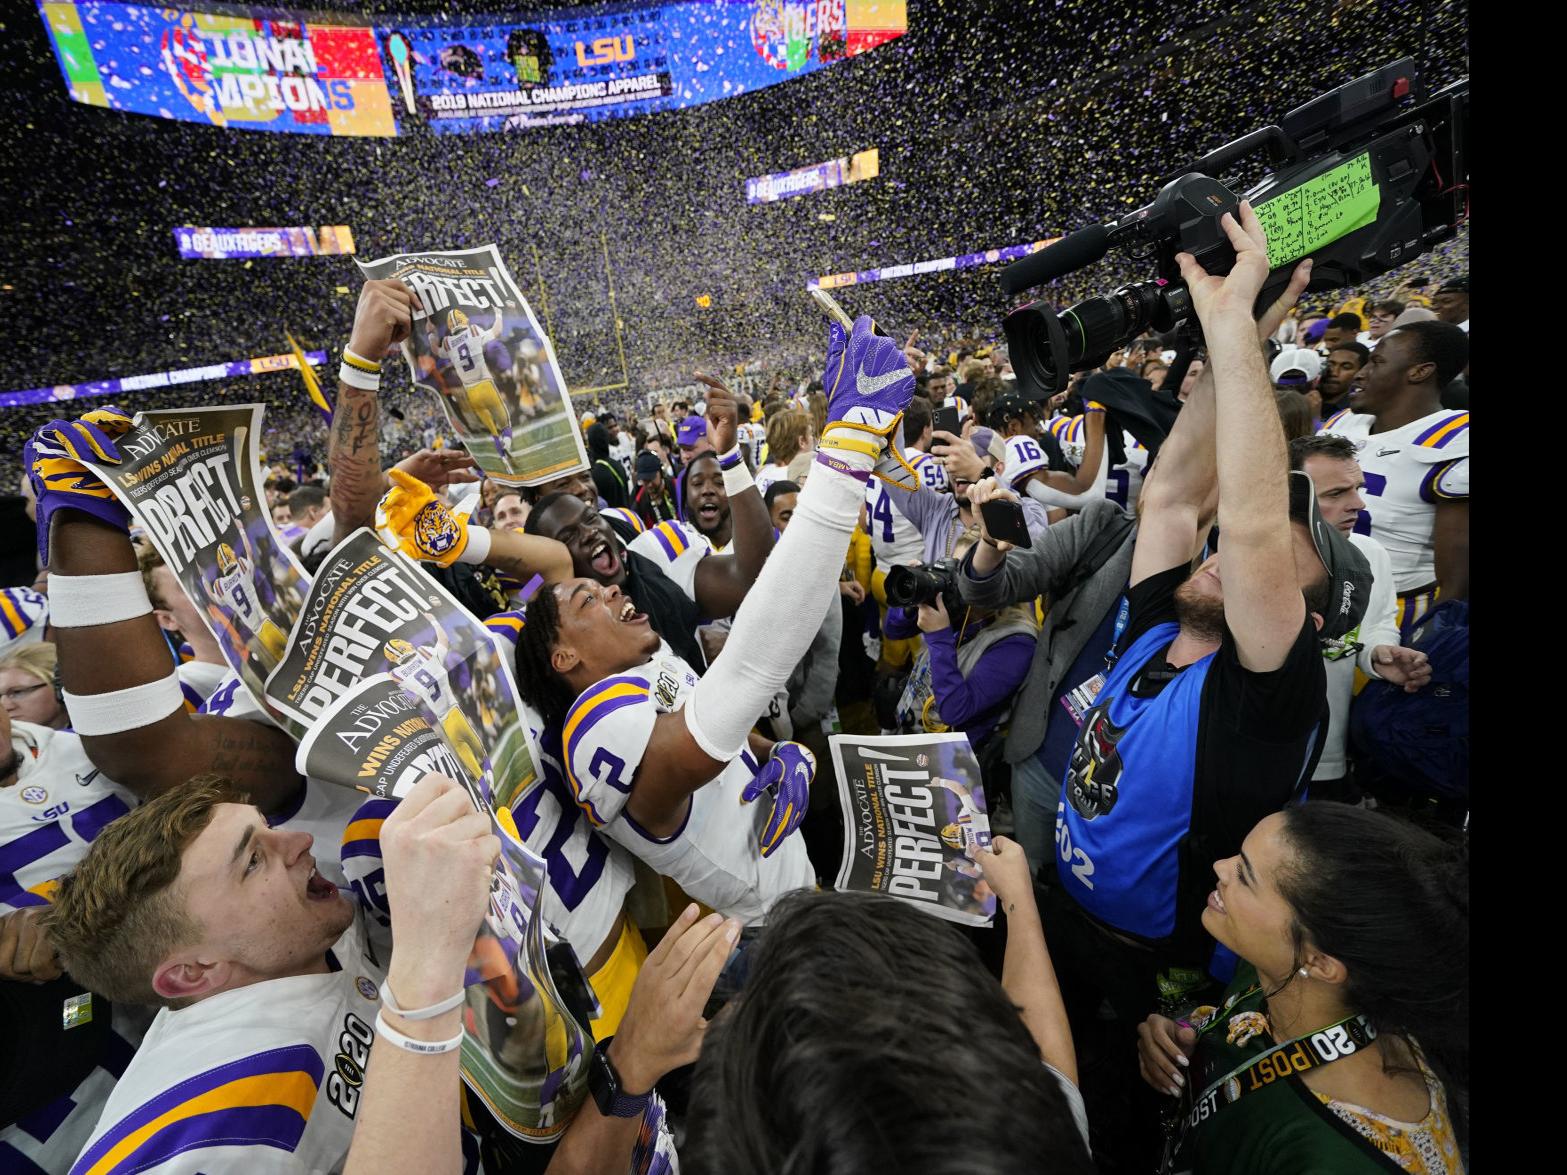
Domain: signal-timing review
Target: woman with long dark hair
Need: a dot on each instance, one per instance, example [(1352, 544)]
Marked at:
[(1343, 1042)]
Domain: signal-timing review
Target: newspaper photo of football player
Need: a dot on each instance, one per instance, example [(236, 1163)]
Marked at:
[(192, 481), (915, 821), (477, 347)]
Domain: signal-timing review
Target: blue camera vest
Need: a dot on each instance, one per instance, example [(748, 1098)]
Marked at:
[(1126, 796)]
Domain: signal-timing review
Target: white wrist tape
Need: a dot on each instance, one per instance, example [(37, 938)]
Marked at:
[(478, 548), (355, 378), (736, 476), (80, 601), (124, 709), (800, 581)]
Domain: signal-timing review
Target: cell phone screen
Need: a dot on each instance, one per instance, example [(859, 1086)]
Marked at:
[(1006, 522)]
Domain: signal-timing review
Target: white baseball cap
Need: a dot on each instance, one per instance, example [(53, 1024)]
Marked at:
[(1295, 365)]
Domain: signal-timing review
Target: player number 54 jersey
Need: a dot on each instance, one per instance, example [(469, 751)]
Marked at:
[(716, 855)]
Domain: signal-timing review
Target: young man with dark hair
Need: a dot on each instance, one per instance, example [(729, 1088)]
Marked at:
[(1415, 455), (1383, 316), (1452, 302), (781, 499), (1374, 647), (806, 1073), (677, 582), (1342, 328), (1338, 372), (652, 502), (609, 478), (660, 759)]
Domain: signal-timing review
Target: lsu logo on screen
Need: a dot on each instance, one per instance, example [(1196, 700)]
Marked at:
[(607, 51)]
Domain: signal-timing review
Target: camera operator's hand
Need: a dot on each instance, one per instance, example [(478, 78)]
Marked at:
[(934, 617), (1225, 302), (1274, 315), (957, 454), (989, 554)]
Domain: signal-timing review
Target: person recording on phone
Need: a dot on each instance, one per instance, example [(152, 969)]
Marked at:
[(942, 516)]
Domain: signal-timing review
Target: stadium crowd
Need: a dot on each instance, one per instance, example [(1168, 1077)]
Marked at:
[(1215, 673), (1218, 795)]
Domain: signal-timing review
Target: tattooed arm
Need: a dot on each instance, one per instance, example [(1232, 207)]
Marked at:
[(383, 319), (170, 748)]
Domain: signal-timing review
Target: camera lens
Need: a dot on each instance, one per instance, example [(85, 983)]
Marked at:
[(910, 586), (1089, 332)]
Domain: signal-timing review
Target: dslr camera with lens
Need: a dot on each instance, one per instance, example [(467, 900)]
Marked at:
[(908, 587), (1362, 179)]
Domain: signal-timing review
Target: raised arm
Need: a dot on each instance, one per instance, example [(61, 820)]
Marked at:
[(798, 583), (383, 319), (168, 746), (722, 582), (1263, 605)]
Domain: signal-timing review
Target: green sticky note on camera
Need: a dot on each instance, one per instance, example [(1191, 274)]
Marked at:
[(1320, 211), (77, 1010)]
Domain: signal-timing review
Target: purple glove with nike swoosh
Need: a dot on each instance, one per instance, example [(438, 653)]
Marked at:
[(787, 775), (55, 458), (868, 385)]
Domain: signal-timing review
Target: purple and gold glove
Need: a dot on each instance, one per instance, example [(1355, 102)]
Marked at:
[(56, 456), (787, 776), (868, 385)]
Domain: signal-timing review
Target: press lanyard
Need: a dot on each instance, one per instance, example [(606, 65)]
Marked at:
[(1123, 610), (1309, 1051)]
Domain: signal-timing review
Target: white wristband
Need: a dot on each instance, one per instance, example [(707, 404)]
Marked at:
[(428, 1048), (429, 1013), (80, 601), (355, 378), (478, 548), (125, 709)]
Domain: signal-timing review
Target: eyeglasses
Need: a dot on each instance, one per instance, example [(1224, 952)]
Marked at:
[(16, 695)]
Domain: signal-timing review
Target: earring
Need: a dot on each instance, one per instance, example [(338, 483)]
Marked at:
[(1303, 973)]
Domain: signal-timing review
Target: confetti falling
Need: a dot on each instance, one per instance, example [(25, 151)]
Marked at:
[(995, 123)]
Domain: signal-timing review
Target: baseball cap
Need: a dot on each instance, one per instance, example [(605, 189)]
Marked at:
[(1457, 285), (648, 466), (1316, 330), (1349, 575), (1295, 365), (691, 430)]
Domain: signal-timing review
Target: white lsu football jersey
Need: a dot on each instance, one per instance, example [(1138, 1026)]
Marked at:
[(1408, 471), (895, 541), (237, 591), (49, 816), (716, 855), (264, 1078), (677, 547)]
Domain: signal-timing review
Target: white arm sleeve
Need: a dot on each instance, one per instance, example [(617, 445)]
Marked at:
[(1049, 496), (780, 616)]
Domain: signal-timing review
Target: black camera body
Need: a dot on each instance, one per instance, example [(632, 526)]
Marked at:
[(1363, 179), (908, 587)]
